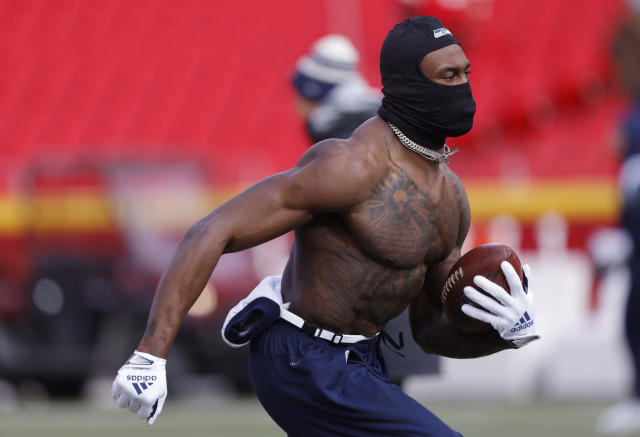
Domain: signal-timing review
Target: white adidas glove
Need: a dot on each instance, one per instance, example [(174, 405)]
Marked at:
[(512, 315), (141, 386)]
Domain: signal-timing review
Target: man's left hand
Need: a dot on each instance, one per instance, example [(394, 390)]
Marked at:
[(512, 315)]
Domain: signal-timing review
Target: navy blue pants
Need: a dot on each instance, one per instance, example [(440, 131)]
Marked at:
[(311, 387)]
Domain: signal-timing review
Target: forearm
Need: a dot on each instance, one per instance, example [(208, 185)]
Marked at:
[(441, 339), (432, 331), (182, 282)]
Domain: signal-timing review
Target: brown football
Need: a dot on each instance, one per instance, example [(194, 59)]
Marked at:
[(483, 260)]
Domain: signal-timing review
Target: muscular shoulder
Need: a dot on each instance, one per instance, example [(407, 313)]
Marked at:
[(335, 175), (348, 157), (460, 194)]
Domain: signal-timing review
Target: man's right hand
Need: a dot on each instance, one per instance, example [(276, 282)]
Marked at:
[(141, 386)]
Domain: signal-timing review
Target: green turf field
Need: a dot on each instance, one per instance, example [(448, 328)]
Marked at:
[(246, 418)]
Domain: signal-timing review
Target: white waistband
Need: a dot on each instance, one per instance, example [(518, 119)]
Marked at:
[(315, 331)]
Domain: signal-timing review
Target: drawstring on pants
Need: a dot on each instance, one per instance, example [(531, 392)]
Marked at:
[(390, 343)]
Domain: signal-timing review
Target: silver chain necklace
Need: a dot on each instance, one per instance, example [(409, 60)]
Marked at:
[(426, 153)]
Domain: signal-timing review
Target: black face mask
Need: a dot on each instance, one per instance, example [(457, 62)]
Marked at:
[(425, 111)]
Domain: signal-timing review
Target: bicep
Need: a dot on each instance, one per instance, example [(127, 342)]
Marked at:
[(426, 309), (462, 202), (256, 215), (326, 179), (434, 280)]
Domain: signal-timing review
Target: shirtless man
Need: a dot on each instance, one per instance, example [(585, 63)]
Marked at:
[(378, 221)]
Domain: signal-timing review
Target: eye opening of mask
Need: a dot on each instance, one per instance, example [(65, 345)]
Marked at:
[(454, 66)]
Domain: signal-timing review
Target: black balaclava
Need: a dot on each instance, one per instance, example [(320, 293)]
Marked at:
[(425, 111)]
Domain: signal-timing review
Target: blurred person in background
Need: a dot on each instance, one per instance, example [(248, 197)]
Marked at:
[(334, 99), (332, 96), (379, 221), (624, 417)]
